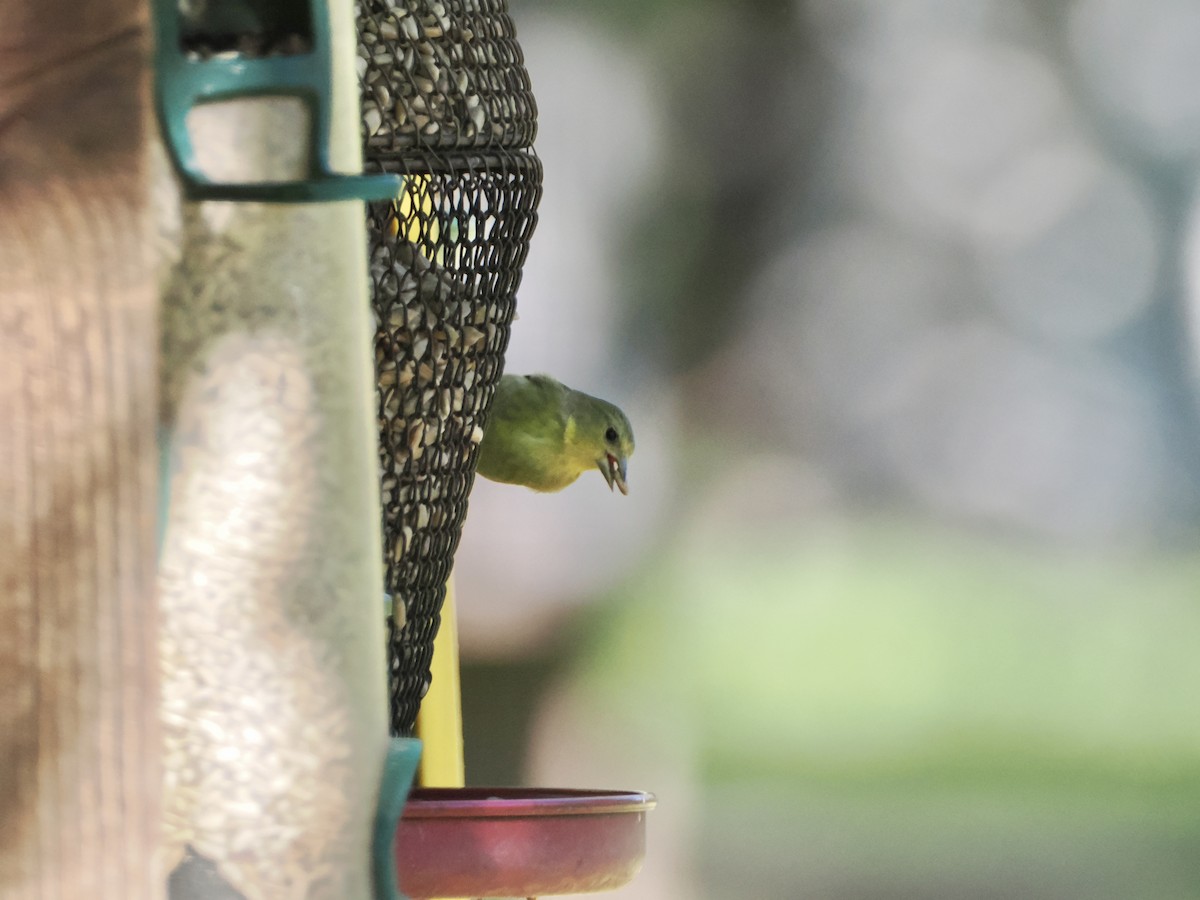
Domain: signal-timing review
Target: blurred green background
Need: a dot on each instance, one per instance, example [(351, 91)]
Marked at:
[(900, 297)]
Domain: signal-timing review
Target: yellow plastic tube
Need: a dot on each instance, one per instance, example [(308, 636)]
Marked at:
[(439, 722)]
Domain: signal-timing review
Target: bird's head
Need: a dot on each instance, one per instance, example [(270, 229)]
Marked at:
[(597, 434), (617, 444)]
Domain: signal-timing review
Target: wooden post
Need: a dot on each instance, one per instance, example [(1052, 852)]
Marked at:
[(79, 735)]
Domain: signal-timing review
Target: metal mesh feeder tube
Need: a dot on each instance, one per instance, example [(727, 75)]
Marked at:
[(447, 105)]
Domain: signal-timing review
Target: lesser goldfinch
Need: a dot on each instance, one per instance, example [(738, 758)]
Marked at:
[(544, 435)]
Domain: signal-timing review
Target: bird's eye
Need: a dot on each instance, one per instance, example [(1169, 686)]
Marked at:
[(611, 435)]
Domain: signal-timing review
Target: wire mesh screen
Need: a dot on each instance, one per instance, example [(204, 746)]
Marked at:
[(446, 102)]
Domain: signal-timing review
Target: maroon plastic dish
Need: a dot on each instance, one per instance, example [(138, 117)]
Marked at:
[(519, 842)]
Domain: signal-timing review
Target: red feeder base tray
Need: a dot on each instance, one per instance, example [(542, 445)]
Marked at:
[(519, 842)]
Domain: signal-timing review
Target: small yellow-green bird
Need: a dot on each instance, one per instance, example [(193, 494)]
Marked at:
[(543, 435)]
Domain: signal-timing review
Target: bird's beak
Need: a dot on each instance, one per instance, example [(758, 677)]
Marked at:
[(613, 470)]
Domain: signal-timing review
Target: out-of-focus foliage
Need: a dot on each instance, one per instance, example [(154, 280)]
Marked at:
[(901, 297), (889, 712)]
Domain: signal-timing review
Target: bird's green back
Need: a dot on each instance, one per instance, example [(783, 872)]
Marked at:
[(525, 432)]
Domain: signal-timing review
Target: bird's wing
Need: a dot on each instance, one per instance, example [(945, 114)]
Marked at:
[(534, 403)]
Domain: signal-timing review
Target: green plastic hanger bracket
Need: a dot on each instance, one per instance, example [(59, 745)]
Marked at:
[(184, 81), (399, 771)]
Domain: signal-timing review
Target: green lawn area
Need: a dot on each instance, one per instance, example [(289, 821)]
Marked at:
[(890, 712), (978, 838)]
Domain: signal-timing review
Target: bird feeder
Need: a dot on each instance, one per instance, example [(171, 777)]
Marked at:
[(267, 647), (447, 104), (273, 700)]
